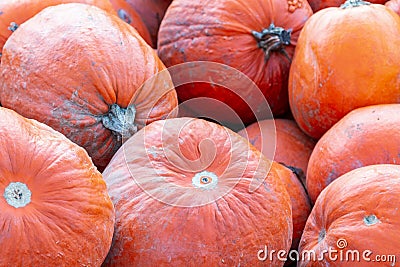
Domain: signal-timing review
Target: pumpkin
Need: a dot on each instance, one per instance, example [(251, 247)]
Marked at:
[(189, 192), (293, 147), (393, 5), (327, 79), (301, 206), (130, 16), (90, 86), (366, 136), (256, 38), (152, 12), (355, 217), (15, 12), (54, 205), (317, 5)]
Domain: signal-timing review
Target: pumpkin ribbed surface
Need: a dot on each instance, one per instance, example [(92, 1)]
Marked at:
[(82, 71), (188, 192), (54, 205)]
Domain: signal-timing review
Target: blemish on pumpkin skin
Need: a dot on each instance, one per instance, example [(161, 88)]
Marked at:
[(254, 140), (321, 235), (1, 12), (294, 4), (357, 164), (332, 175), (371, 220), (122, 14), (13, 26), (182, 51)]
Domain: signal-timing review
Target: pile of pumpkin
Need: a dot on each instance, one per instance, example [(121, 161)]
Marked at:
[(101, 166)]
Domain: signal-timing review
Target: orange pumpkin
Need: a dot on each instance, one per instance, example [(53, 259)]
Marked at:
[(84, 76), (293, 147), (255, 37), (189, 192), (338, 68), (15, 12), (301, 206), (317, 5), (366, 136), (393, 5), (54, 205), (355, 217), (152, 12), (130, 16)]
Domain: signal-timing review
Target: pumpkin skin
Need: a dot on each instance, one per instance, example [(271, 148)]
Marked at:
[(365, 136), (19, 11), (293, 147), (393, 5), (130, 16), (361, 208), (327, 81), (184, 222), (204, 31), (301, 206), (85, 85), (317, 5), (152, 12), (63, 215)]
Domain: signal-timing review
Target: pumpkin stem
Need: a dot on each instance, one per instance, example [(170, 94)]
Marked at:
[(13, 26), (273, 39), (121, 121), (354, 3), (205, 180), (17, 195)]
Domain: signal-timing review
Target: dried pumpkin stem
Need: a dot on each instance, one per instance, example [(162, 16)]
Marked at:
[(121, 121), (17, 195), (273, 39), (354, 3)]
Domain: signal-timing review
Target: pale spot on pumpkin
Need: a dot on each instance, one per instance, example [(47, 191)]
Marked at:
[(371, 220), (13, 26), (122, 14), (321, 235), (294, 4)]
